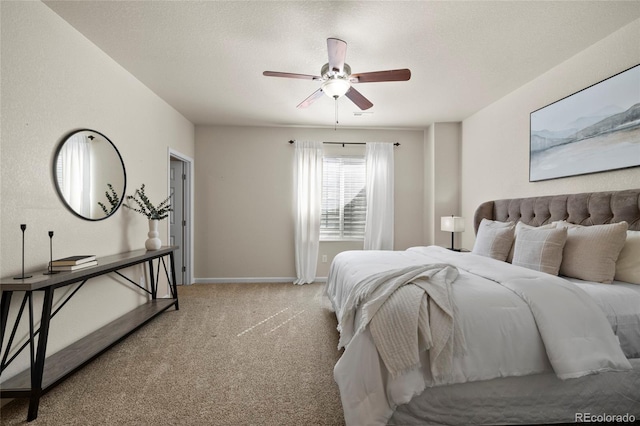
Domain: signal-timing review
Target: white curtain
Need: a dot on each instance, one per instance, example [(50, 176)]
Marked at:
[(308, 204), (75, 177), (378, 230)]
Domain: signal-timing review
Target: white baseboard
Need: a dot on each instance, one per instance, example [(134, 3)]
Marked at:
[(252, 280)]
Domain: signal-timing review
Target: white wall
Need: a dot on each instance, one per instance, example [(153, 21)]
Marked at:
[(54, 81), (244, 209), (442, 164), (495, 141)]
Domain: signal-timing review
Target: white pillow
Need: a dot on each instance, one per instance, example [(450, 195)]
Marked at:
[(494, 239), (591, 252), (521, 225), (540, 249), (628, 263)]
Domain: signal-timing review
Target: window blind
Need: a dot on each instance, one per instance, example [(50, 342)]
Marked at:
[(344, 203)]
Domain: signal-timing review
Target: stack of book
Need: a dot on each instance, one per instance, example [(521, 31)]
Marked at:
[(73, 263)]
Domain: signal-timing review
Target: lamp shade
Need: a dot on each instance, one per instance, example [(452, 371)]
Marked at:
[(452, 224), (336, 87)]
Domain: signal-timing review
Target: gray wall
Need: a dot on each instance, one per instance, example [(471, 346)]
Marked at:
[(244, 208)]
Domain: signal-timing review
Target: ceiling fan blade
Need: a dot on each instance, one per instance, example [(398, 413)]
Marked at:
[(357, 98), (291, 75), (337, 52), (390, 75), (311, 99)]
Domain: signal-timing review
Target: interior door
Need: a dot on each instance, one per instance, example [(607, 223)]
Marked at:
[(177, 219)]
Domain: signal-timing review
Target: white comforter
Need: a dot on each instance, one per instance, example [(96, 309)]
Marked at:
[(515, 322)]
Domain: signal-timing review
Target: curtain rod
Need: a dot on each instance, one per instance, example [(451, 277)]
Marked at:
[(348, 143)]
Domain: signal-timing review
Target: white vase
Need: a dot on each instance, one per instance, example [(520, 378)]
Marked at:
[(153, 242)]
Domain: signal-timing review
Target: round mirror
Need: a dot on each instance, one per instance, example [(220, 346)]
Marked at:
[(89, 174)]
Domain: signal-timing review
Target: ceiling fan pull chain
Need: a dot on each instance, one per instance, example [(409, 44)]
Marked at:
[(335, 127)]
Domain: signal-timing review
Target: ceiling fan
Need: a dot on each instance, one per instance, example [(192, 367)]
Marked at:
[(337, 79)]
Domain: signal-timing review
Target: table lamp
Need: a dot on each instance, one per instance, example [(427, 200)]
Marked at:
[(452, 224)]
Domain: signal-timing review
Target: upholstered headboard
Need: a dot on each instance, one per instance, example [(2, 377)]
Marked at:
[(589, 208)]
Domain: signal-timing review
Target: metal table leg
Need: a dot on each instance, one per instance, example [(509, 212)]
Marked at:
[(37, 370), (173, 279), (4, 315), (153, 280)]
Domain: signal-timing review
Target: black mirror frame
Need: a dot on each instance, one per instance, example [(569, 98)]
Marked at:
[(55, 177)]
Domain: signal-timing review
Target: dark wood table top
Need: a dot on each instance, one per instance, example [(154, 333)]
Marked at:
[(106, 264)]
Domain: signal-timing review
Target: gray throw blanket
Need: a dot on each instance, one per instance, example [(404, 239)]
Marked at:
[(410, 310)]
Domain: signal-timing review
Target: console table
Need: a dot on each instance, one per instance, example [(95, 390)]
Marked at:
[(46, 372)]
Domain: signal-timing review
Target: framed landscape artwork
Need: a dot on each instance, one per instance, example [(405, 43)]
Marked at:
[(593, 130)]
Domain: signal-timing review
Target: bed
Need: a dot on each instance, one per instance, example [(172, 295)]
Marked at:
[(508, 340)]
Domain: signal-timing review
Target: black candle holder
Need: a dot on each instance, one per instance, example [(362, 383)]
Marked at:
[(23, 276), (50, 270)]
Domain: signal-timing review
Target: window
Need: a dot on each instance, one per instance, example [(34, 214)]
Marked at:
[(344, 202)]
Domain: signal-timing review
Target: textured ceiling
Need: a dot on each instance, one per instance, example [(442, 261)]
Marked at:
[(206, 58)]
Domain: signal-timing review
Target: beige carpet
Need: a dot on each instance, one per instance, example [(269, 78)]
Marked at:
[(234, 354)]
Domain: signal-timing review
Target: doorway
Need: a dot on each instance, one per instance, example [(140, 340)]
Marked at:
[(181, 218)]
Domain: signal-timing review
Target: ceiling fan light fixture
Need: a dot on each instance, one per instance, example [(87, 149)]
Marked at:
[(336, 87)]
